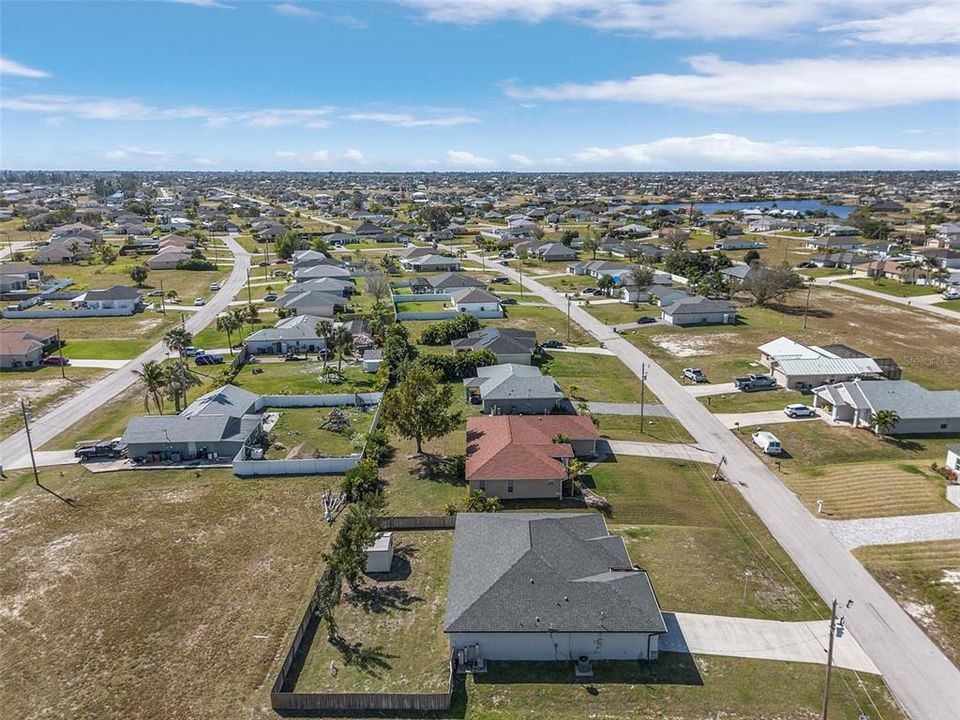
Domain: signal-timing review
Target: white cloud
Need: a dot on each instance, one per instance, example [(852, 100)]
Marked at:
[(285, 154), (406, 120), (210, 4), (938, 22), (793, 85), (125, 109), (12, 67), (54, 121), (354, 155), (133, 156), (885, 21), (521, 159), (462, 158), (297, 11), (720, 151)]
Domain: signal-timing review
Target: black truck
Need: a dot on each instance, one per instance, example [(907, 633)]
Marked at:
[(755, 382)]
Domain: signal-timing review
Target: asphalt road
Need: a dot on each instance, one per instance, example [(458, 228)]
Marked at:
[(14, 449), (924, 681)]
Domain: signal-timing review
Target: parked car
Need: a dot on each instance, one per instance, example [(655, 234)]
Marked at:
[(270, 297), (951, 295), (214, 286), (798, 410), (190, 351), (208, 359), (755, 382), (695, 374), (806, 264), (263, 263), (198, 302), (500, 280), (767, 442), (56, 361), (155, 293), (645, 320), (588, 291), (508, 301), (111, 449), (551, 344)]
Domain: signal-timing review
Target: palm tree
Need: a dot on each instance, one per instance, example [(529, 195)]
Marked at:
[(239, 315), (152, 376), (325, 333), (342, 342), (583, 407), (178, 380), (884, 421), (178, 340), (574, 390), (227, 323)]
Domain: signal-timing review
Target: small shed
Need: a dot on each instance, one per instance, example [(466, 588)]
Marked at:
[(380, 554)]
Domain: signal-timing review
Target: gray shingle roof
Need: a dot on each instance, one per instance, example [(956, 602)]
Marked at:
[(504, 341), (510, 381), (527, 572)]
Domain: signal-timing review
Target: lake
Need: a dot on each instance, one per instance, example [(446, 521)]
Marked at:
[(841, 211)]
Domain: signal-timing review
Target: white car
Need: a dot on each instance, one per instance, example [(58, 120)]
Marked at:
[(799, 410), (198, 302), (951, 295), (214, 286)]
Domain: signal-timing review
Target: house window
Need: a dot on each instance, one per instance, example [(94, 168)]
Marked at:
[(483, 486), (509, 486), (943, 426)]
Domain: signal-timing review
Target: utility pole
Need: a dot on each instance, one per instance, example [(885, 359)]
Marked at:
[(826, 689), (163, 299), (520, 265), (26, 426), (63, 372), (568, 318), (806, 306)]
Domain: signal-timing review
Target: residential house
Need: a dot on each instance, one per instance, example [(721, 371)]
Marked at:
[(216, 425), (798, 367), (525, 456), (169, 258), (953, 458), (315, 272), (508, 344), (513, 389), (297, 334), (18, 276), (450, 281), (430, 263), (554, 252), (699, 310), (664, 295), (838, 259), (738, 243), (367, 229), (61, 253), (312, 302), (118, 297), (921, 411), (905, 272), (23, 347), (477, 302), (553, 587)]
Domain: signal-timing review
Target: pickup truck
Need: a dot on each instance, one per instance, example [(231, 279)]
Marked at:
[(110, 449), (755, 382), (208, 359)]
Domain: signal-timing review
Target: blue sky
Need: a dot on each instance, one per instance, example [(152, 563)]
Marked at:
[(552, 85)]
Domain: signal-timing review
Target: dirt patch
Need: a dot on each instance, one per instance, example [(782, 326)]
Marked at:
[(684, 346)]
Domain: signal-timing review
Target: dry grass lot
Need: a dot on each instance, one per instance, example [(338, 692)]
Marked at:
[(925, 580), (42, 389), (159, 595), (391, 627), (603, 378), (922, 343), (856, 473)]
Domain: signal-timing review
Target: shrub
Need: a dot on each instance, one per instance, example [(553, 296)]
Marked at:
[(196, 264), (459, 366), (445, 331), (378, 447), (362, 480)]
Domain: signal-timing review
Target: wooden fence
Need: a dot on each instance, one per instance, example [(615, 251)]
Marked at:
[(419, 522), (282, 699)]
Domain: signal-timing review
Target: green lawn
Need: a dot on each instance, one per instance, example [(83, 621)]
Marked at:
[(397, 619), (300, 378), (655, 429), (890, 287), (298, 433), (923, 577), (618, 313), (743, 402), (432, 306), (822, 272), (210, 337), (949, 305), (679, 687), (110, 349), (674, 515), (547, 323), (602, 378), (569, 283)]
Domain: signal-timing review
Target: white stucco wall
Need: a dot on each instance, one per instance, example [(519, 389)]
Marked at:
[(559, 646)]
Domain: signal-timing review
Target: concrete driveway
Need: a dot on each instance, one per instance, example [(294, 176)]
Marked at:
[(582, 350), (804, 642), (44, 458), (762, 417), (608, 408), (704, 389), (674, 451), (94, 363), (896, 529)]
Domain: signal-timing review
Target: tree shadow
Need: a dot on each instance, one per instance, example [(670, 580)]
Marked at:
[(442, 469), (390, 598), (372, 661), (795, 310)]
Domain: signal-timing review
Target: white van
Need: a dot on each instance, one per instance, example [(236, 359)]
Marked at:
[(768, 442)]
